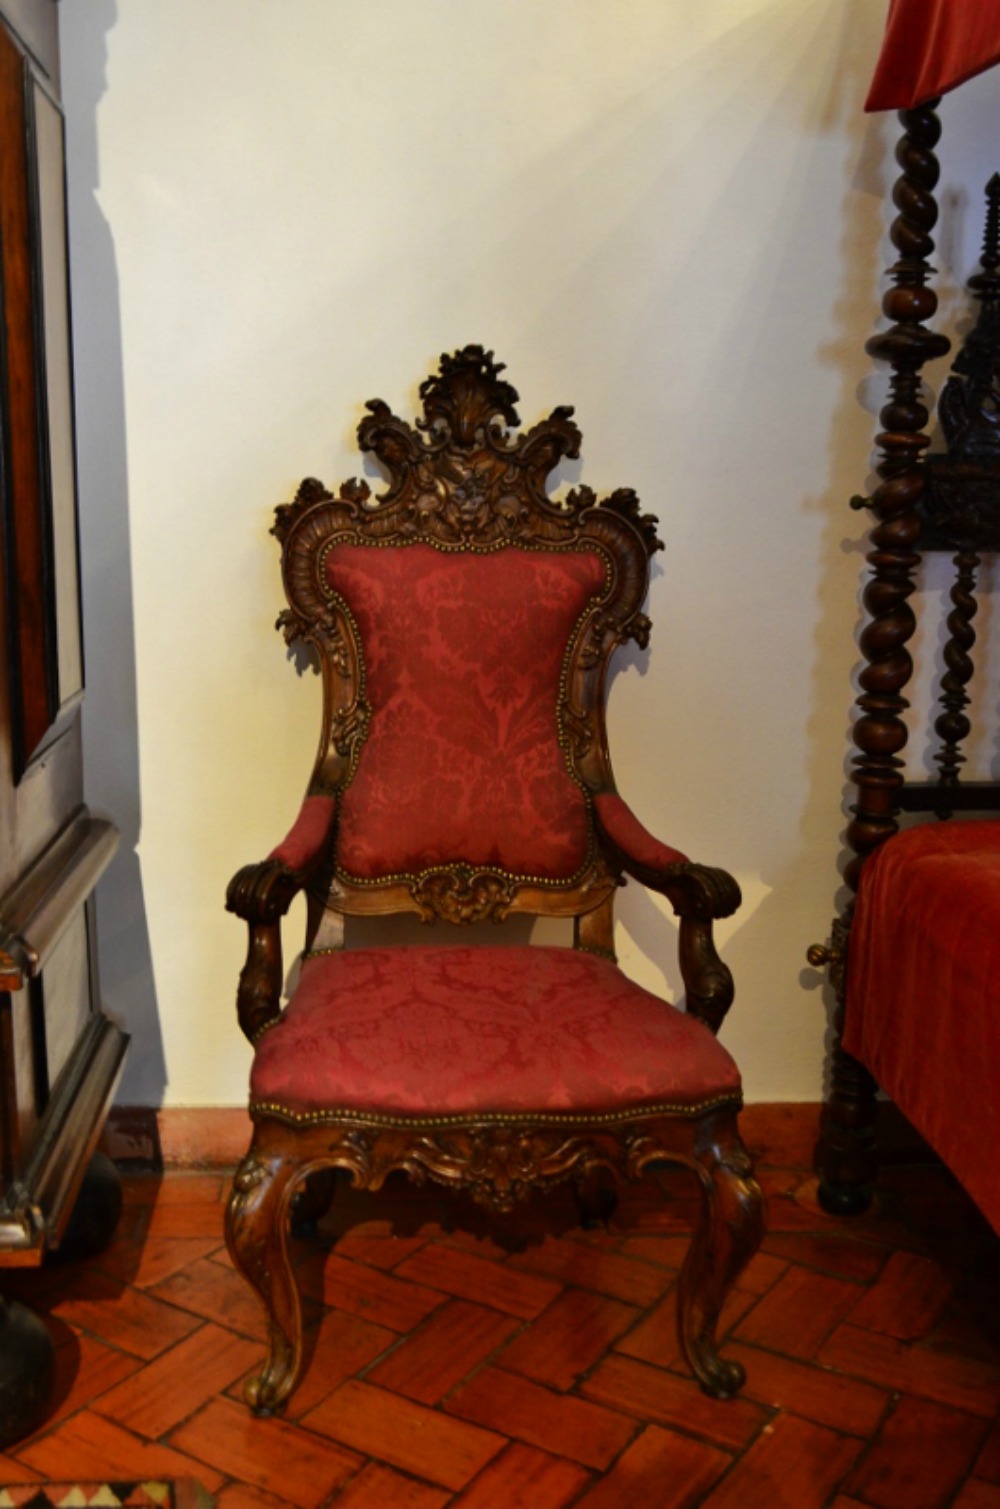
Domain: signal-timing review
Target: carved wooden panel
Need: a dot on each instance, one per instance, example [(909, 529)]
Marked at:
[(959, 511), (37, 462), (960, 506)]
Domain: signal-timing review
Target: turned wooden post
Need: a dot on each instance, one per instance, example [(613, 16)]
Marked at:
[(879, 734), (962, 499), (952, 725)]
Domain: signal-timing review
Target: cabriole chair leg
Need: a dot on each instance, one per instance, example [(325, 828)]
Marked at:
[(729, 1231), (257, 1225)]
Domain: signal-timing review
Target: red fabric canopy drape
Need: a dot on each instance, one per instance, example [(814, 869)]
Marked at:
[(930, 46)]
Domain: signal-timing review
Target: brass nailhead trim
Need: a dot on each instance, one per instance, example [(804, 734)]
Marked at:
[(491, 1118), (263, 1031), (577, 948), (338, 948), (462, 870)]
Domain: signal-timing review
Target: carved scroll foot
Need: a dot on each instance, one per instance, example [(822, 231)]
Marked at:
[(728, 1234), (257, 1221)]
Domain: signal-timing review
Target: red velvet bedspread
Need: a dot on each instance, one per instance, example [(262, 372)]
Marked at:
[(923, 991)]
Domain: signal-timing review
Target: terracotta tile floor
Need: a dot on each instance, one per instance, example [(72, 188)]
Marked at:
[(532, 1363)]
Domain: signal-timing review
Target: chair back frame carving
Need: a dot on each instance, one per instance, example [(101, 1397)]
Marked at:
[(461, 482)]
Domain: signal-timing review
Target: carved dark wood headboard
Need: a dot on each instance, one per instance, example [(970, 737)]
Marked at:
[(959, 512)]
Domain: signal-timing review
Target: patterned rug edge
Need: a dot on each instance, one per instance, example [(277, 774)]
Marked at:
[(116, 1493)]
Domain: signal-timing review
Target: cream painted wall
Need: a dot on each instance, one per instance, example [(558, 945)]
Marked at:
[(669, 215)]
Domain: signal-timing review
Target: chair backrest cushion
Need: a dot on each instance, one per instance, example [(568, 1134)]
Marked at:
[(464, 658)]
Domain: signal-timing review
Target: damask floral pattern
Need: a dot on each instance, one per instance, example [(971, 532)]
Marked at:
[(463, 657), (467, 1030)]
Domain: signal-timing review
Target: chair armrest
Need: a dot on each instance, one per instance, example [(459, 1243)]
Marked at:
[(628, 843), (694, 889), (698, 893), (305, 842), (261, 894)]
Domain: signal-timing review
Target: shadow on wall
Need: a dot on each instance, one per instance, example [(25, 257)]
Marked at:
[(851, 437), (110, 720), (776, 894)]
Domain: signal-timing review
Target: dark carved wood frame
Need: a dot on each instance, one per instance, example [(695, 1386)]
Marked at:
[(498, 1164), (461, 483), (924, 503), (42, 585)]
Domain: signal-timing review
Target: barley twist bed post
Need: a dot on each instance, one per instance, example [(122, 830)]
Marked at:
[(847, 1145)]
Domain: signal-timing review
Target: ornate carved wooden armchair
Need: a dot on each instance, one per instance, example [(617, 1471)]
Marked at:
[(464, 623)]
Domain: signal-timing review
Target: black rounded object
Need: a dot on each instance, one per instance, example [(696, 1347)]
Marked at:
[(27, 1361)]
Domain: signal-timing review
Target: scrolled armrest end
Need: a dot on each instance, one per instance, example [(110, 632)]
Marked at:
[(702, 892), (263, 892)]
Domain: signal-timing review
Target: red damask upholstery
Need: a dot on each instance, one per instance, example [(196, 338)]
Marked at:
[(416, 1031), (630, 836), (463, 659), (308, 835)]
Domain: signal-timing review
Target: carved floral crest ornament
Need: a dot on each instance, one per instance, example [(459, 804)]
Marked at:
[(463, 621), (459, 476)]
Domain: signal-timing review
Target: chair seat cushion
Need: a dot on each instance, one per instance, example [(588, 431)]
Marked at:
[(482, 1032)]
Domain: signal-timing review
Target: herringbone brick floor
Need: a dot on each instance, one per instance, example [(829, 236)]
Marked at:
[(481, 1365)]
